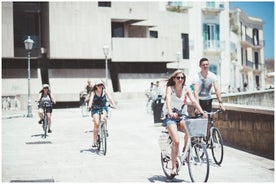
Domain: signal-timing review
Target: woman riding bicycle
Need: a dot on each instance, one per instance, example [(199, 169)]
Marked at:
[(45, 96), (97, 103), (176, 93)]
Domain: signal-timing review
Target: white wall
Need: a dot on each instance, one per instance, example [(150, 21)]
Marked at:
[(7, 30)]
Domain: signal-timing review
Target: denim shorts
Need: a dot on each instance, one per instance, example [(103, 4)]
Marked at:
[(169, 121), (98, 110)]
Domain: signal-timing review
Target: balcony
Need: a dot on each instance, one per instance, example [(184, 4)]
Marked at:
[(250, 42), (213, 46), (180, 7), (213, 7), (144, 49)]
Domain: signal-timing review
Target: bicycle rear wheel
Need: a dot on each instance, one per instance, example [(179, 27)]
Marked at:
[(103, 135), (217, 146), (198, 163)]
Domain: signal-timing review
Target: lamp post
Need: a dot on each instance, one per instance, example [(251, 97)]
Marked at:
[(178, 59), (105, 50), (28, 46)]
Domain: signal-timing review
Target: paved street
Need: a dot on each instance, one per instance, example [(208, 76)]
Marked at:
[(133, 153)]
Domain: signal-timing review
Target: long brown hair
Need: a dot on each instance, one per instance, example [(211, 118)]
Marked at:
[(173, 75)]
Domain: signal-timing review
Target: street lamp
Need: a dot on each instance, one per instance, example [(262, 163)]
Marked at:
[(178, 59), (105, 50), (28, 46)]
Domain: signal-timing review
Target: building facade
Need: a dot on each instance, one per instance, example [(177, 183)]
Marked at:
[(247, 51), (146, 41)]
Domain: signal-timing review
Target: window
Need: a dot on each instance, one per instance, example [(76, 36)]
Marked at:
[(104, 4), (213, 68), (26, 21), (153, 34), (210, 4), (255, 36), (211, 35), (256, 59), (117, 29), (185, 46), (211, 31)]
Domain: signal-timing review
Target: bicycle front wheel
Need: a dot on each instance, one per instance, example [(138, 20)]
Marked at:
[(45, 125), (198, 163), (103, 135), (166, 164), (217, 146)]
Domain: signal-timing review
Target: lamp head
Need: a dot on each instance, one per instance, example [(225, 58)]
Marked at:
[(29, 44)]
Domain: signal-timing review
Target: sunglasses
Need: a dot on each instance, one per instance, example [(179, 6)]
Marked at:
[(178, 78), (45, 88), (99, 85)]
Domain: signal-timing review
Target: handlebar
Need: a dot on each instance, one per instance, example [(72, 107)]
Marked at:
[(214, 112), (47, 104), (185, 116)]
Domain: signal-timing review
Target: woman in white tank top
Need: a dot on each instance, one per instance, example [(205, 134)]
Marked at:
[(176, 93)]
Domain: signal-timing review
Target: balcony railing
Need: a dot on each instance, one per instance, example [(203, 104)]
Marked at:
[(213, 45), (254, 42), (213, 7)]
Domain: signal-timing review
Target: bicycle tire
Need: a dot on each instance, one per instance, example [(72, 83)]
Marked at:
[(166, 164), (45, 126), (217, 146), (103, 135), (98, 142), (198, 163), (84, 110)]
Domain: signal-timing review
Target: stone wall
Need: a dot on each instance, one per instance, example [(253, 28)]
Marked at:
[(252, 132)]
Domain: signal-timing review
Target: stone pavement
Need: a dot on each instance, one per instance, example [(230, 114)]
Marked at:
[(133, 154)]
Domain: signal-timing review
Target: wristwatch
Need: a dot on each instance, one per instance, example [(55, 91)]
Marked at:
[(220, 102)]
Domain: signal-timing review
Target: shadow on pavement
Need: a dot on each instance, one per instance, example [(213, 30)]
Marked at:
[(159, 178)]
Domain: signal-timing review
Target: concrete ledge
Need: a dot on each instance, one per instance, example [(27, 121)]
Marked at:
[(246, 108)]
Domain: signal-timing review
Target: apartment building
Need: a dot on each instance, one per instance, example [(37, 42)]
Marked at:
[(247, 51), (146, 41)]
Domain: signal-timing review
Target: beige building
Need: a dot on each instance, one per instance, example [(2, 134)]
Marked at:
[(247, 51), (145, 40)]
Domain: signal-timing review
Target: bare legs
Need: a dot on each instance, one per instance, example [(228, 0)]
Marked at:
[(96, 120), (175, 146)]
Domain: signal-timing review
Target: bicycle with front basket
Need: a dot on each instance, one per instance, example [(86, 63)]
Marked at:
[(214, 139), (195, 153)]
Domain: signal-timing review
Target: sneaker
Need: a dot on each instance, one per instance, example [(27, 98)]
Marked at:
[(94, 145), (40, 121), (49, 131)]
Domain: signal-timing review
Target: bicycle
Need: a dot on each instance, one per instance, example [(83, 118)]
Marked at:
[(195, 153), (214, 139), (45, 105), (84, 106)]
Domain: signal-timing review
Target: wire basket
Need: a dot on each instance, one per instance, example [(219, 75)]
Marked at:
[(197, 127), (165, 142)]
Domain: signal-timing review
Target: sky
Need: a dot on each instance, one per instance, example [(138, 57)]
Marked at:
[(265, 11)]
